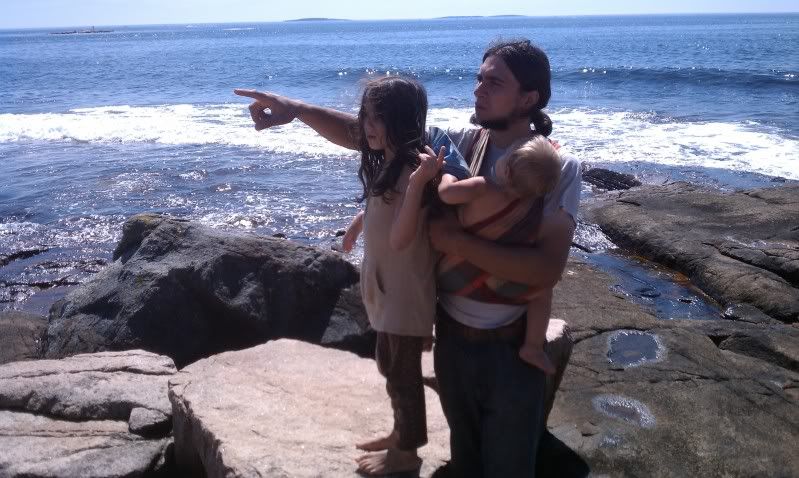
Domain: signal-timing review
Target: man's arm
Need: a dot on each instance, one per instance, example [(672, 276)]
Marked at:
[(336, 126), (452, 191), (539, 266)]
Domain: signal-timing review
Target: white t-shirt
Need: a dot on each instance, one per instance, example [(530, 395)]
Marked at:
[(566, 196)]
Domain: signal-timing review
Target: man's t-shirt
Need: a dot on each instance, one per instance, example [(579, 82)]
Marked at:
[(566, 196)]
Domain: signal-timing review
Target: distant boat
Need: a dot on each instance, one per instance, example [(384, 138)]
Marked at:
[(75, 32)]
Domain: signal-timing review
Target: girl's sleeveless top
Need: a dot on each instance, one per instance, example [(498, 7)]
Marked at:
[(398, 287)]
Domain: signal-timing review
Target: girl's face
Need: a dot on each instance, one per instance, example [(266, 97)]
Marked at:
[(375, 130)]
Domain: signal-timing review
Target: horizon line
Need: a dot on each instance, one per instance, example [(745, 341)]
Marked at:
[(448, 17)]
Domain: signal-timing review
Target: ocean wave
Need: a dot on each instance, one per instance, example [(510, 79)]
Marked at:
[(668, 76), (623, 137), (602, 136)]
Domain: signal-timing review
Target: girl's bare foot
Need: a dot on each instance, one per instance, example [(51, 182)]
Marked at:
[(379, 444), (392, 460), (535, 356)]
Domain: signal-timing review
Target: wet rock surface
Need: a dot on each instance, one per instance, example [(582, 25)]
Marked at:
[(94, 415), (189, 291), (684, 398), (20, 335), (738, 247), (609, 180)]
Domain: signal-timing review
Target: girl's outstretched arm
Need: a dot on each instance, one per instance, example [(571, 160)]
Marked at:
[(403, 229), (351, 236), (453, 191)]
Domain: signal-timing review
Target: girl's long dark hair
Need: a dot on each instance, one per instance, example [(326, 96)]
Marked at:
[(401, 104)]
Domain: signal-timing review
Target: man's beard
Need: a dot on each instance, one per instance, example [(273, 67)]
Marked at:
[(499, 124)]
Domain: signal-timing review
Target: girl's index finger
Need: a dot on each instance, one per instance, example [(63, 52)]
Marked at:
[(429, 150)]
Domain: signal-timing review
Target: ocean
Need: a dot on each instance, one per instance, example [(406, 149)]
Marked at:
[(97, 127)]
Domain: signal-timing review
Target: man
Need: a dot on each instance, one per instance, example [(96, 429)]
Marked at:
[(493, 401)]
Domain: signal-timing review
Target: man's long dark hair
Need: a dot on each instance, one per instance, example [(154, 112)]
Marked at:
[(530, 66), (401, 104)]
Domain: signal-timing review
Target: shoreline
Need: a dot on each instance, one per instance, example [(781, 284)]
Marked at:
[(641, 280)]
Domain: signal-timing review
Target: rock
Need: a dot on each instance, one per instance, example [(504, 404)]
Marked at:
[(738, 247), (6, 259), (100, 386), (747, 313), (20, 335), (286, 408), (774, 343), (648, 397), (97, 415), (189, 291), (37, 446), (609, 180)]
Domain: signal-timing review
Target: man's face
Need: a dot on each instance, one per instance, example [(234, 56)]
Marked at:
[(498, 96)]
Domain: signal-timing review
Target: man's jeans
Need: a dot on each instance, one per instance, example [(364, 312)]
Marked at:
[(494, 404)]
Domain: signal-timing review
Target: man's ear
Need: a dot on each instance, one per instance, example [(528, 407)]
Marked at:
[(530, 99)]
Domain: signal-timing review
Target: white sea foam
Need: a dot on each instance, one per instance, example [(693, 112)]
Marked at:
[(593, 135), (622, 137)]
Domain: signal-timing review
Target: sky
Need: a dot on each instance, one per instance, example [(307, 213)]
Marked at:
[(63, 13)]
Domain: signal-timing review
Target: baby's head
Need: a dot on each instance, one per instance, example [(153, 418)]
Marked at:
[(529, 168)]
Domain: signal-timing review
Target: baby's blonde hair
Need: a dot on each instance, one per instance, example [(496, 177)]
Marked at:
[(534, 167)]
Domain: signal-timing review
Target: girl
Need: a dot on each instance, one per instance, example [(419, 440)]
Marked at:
[(397, 272)]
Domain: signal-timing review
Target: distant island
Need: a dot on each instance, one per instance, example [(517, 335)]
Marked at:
[(75, 32), (319, 20)]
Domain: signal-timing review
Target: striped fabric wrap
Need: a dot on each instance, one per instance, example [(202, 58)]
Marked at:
[(517, 223)]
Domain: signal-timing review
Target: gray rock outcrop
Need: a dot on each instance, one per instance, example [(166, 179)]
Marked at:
[(20, 335), (738, 247), (95, 415), (189, 291), (670, 398)]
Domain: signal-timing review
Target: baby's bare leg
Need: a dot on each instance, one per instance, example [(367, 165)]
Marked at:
[(532, 350)]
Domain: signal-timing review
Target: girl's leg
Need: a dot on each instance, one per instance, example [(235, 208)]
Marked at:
[(400, 362), (383, 359)]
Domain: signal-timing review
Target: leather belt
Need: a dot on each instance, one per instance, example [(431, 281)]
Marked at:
[(513, 332)]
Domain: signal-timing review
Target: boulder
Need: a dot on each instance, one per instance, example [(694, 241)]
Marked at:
[(39, 447), (609, 180), (286, 408), (189, 291), (20, 335), (739, 247), (95, 415), (649, 397)]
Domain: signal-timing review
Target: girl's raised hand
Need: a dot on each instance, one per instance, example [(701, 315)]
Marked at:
[(429, 164)]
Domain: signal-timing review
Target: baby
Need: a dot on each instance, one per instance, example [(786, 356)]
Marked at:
[(521, 178)]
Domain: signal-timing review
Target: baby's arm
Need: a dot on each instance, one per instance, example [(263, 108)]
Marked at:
[(351, 236), (453, 191), (403, 229)]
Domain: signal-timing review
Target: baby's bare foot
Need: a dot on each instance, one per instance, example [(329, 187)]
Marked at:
[(391, 461), (535, 356), (379, 444)]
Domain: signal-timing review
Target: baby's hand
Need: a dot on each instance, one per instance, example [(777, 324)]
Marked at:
[(429, 165)]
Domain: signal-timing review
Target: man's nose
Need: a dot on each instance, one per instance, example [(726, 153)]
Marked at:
[(478, 89)]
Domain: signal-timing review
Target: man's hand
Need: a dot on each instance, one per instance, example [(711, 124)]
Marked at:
[(429, 165), (282, 110), (445, 232)]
